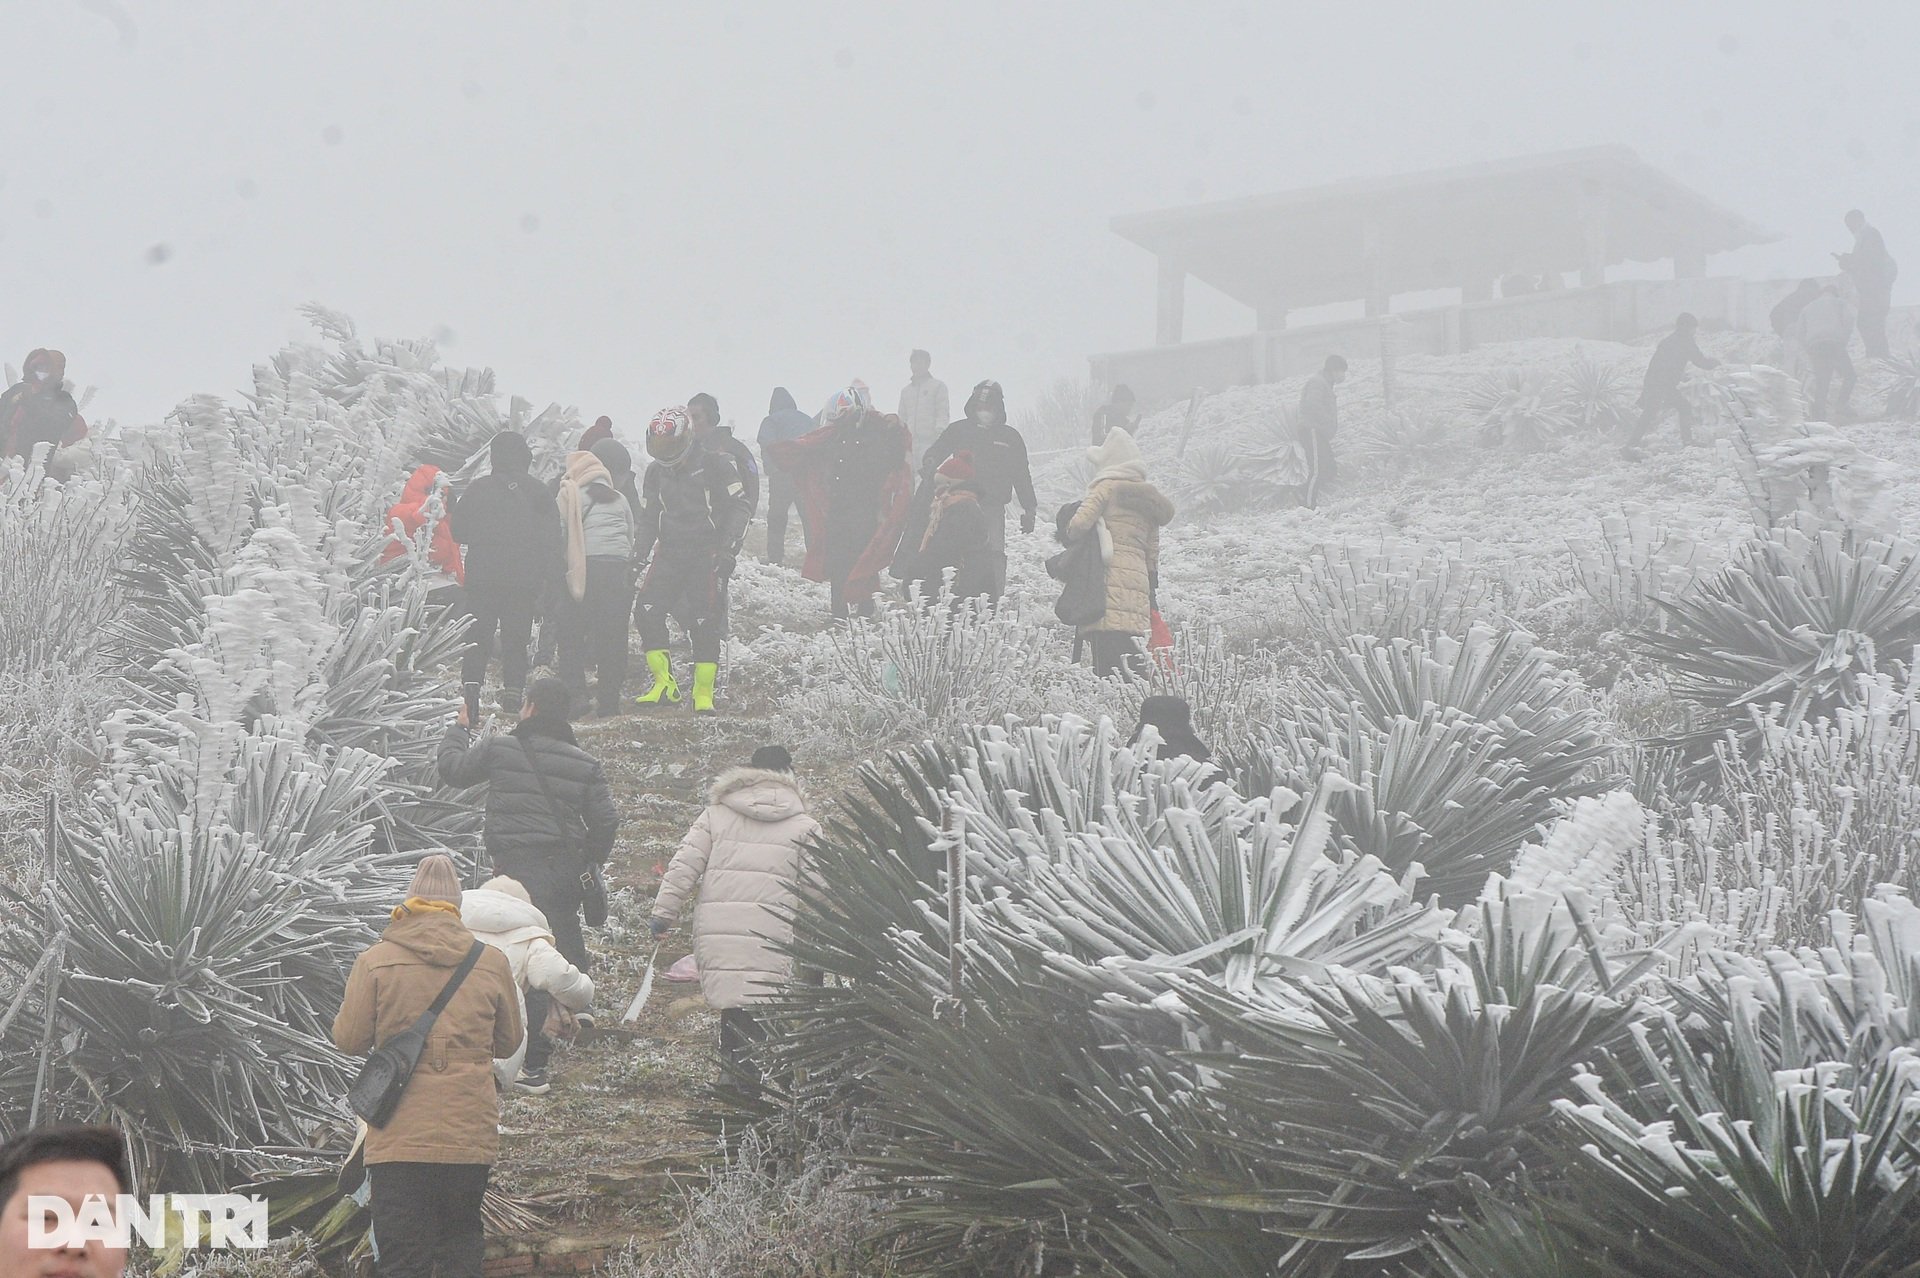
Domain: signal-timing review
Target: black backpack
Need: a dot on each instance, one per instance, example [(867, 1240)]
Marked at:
[(1082, 575)]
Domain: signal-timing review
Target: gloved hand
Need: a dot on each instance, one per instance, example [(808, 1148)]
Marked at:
[(1026, 521), (659, 927)]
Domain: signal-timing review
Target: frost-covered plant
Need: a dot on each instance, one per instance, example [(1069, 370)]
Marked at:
[(1061, 415), (1903, 391), (1599, 397), (1212, 479), (1791, 619), (1631, 566), (1754, 396), (1408, 440), (1521, 408), (1395, 590)]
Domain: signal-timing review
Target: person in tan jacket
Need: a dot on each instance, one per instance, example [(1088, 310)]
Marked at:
[(1134, 512), (745, 855), (430, 1163)]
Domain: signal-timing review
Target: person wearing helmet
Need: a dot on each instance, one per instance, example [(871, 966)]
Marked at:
[(693, 515)]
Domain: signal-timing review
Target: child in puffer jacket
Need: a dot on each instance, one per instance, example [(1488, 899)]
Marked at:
[(501, 913)]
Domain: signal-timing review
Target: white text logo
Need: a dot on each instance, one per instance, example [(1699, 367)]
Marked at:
[(229, 1220)]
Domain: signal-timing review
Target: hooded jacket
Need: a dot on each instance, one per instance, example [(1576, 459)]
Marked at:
[(720, 439), (999, 453), (37, 411), (423, 501), (450, 1110), (784, 421), (520, 830), (512, 533), (501, 913), (744, 854), (1135, 512)]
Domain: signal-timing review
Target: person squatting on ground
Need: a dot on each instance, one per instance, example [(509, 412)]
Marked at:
[(693, 516), (1134, 512), (429, 1164), (1873, 271), (511, 532), (784, 422), (38, 409), (550, 824), (1660, 393), (855, 485), (1319, 421), (1000, 468), (599, 525), (71, 1163), (423, 502), (957, 537), (744, 856), (1823, 330), (923, 403), (501, 912)]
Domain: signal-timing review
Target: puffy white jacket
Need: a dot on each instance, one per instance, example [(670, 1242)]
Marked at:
[(500, 913), (744, 855)]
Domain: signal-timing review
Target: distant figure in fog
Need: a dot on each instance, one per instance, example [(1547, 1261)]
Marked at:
[(855, 485), (511, 531), (1118, 413), (38, 409), (923, 403), (783, 423), (1872, 270), (1660, 393), (1825, 328), (1319, 420), (1133, 512), (1785, 317)]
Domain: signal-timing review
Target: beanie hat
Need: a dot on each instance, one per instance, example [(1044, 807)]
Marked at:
[(509, 452), (508, 887), (602, 428), (436, 880), (958, 467), (614, 456), (772, 758)]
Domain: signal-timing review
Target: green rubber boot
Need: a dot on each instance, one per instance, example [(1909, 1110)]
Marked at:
[(664, 689), (704, 673)]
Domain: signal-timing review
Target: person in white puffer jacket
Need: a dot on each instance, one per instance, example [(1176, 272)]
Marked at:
[(501, 913), (745, 854)]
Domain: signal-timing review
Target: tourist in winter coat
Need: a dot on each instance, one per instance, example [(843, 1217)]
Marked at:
[(704, 409), (744, 857), (783, 423), (693, 516), (429, 1164), (423, 504), (1000, 466), (599, 528), (957, 536), (1660, 393), (38, 409), (557, 855), (1824, 329), (1134, 512), (1118, 413), (511, 532), (923, 403), (501, 912), (1873, 271), (855, 485), (1319, 421)]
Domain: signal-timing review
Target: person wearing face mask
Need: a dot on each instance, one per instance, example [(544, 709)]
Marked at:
[(1001, 473), (38, 410)]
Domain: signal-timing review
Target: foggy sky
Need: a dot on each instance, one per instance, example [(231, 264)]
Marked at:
[(617, 204)]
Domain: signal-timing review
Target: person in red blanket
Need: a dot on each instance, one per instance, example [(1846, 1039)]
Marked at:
[(855, 481), (424, 502), (39, 410)]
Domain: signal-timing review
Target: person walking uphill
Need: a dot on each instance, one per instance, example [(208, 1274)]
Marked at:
[(855, 485), (783, 423), (693, 515), (1000, 467), (1873, 271), (501, 912), (599, 525), (1660, 394), (744, 855), (1134, 512), (550, 824), (429, 1164), (511, 532)]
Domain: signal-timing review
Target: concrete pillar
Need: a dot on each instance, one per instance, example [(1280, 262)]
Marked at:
[(1690, 264), (1171, 312)]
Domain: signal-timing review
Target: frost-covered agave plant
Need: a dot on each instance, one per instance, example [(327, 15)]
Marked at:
[(1407, 440), (1397, 590), (1599, 397), (1903, 392), (1212, 479), (1634, 563), (1522, 408)]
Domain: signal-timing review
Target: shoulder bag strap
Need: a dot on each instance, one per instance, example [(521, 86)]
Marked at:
[(424, 1025), (553, 805)]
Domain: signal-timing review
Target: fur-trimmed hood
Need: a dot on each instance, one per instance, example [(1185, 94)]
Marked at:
[(759, 794)]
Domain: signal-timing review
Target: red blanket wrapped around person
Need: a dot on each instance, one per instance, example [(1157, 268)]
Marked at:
[(423, 497), (855, 482)]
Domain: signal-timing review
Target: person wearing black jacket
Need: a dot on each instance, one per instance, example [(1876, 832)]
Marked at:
[(693, 516), (524, 836), (1001, 472), (511, 531), (705, 411), (1660, 394)]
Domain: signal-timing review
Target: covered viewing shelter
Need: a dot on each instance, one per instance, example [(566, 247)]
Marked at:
[(1463, 228)]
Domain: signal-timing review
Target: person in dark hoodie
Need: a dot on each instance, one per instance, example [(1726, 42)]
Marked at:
[(784, 422), (1660, 394), (1000, 467), (1172, 719), (527, 839), (511, 531), (38, 409)]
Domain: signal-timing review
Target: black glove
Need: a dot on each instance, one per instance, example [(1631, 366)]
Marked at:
[(659, 927), (725, 565), (1026, 521)]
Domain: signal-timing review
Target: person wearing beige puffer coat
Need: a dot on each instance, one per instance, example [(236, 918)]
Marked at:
[(745, 855), (1134, 512), (501, 912)]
